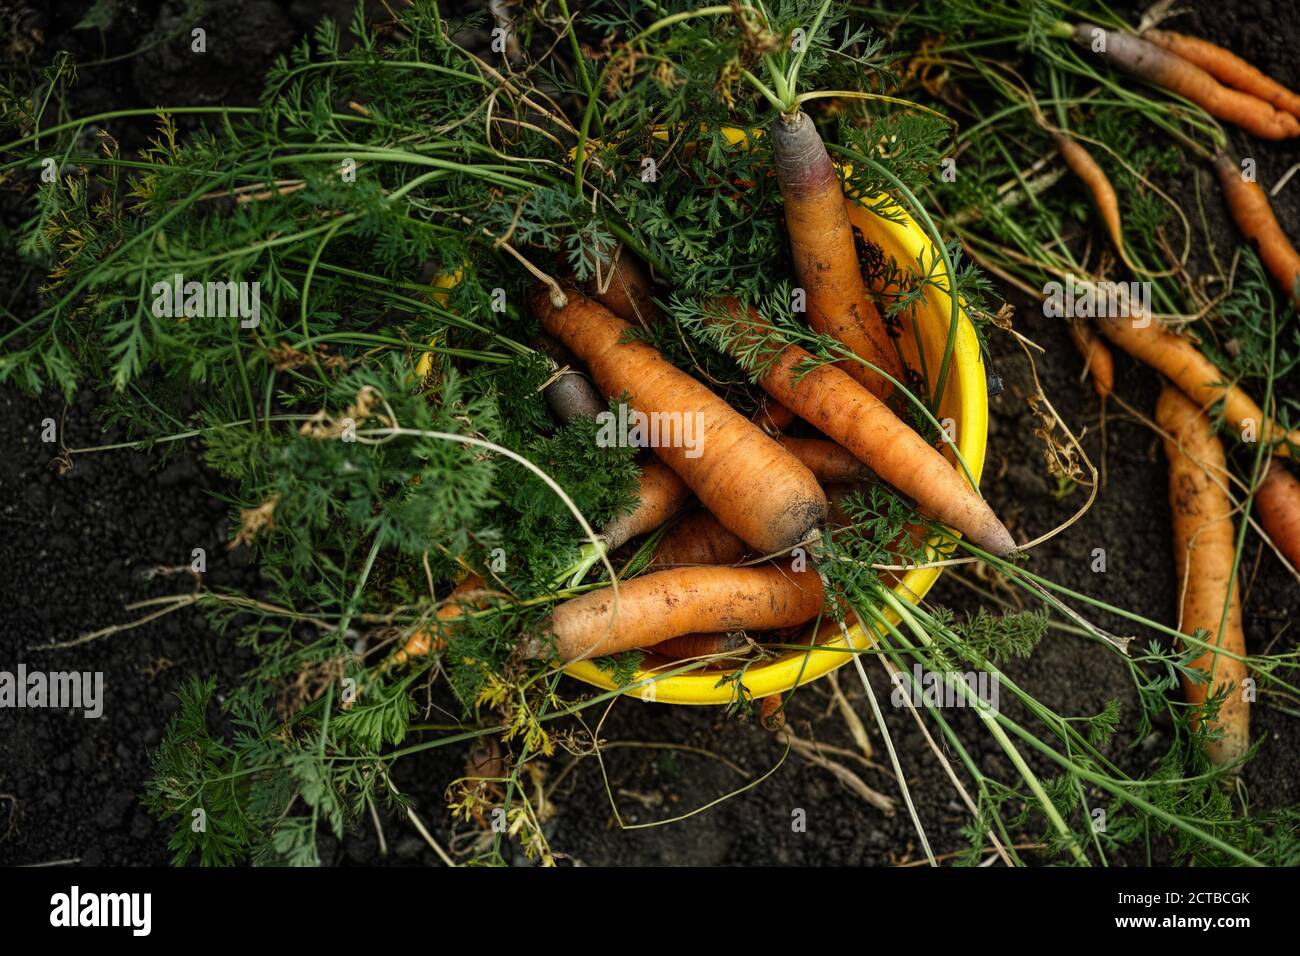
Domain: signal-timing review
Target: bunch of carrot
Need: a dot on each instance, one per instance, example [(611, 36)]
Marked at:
[(759, 490), (1225, 86), (1230, 88)]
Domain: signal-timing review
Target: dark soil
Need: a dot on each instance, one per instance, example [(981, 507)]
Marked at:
[(75, 550)]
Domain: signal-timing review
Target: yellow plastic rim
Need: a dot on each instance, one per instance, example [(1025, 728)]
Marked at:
[(965, 401)]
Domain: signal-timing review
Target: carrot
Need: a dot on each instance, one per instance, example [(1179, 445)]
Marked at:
[(849, 414), (1200, 380), (1204, 554), (1277, 501), (660, 495), (1254, 216), (630, 293), (1097, 360), (825, 459), (571, 395), (467, 595), (733, 459), (665, 604), (1226, 67), (825, 257), (771, 712), (1144, 59), (1094, 177), (699, 538), (773, 417), (699, 645)]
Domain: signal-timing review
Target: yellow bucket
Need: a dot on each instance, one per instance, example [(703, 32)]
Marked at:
[(965, 401)]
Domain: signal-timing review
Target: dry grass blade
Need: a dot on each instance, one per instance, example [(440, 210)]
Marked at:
[(856, 727), (808, 750)]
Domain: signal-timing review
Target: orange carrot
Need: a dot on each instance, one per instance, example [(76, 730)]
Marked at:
[(825, 459), (1182, 363), (699, 538), (1097, 360), (661, 495), (700, 645), (1159, 66), (630, 293), (1094, 177), (1277, 502), (773, 417), (825, 257), (771, 712), (467, 595), (840, 408), (665, 604), (1204, 554), (732, 458), (1226, 67), (1253, 214)]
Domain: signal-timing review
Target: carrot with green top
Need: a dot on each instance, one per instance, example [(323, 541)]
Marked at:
[(825, 256)]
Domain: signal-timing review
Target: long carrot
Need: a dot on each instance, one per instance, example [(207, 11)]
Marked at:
[(665, 604), (1254, 216), (734, 459), (660, 495), (698, 538), (1097, 360), (1200, 380), (1277, 502), (840, 408), (1226, 67), (825, 459), (1091, 174), (1204, 555), (1157, 65), (630, 293), (825, 257)]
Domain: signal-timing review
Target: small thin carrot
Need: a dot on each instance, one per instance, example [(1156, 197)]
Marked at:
[(1277, 502), (842, 409), (698, 538), (1254, 216), (467, 595), (1097, 360), (1205, 551), (1226, 67), (665, 604), (1090, 173), (825, 256), (1157, 65), (1181, 362), (731, 458)]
